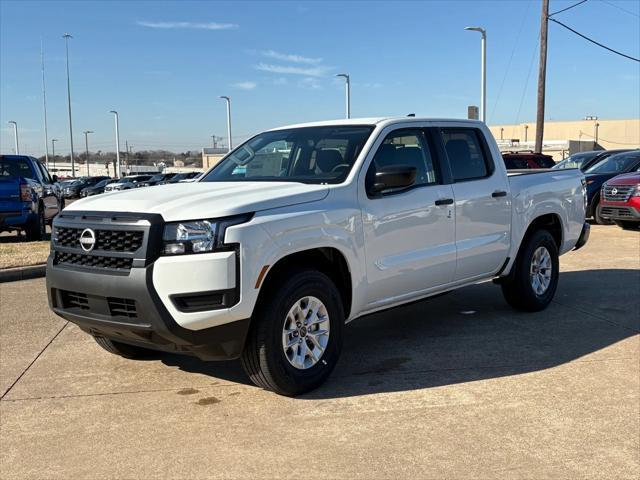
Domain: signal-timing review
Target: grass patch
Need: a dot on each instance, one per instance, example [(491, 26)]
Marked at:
[(16, 252)]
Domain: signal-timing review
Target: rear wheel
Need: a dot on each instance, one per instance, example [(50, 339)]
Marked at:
[(122, 349), (36, 228), (535, 278), (296, 334)]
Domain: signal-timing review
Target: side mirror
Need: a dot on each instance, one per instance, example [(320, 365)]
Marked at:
[(392, 176), (55, 179)]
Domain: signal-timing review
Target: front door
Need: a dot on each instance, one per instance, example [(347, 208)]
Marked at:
[(409, 233)]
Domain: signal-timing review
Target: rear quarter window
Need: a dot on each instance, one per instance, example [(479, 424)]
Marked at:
[(15, 168), (467, 154)]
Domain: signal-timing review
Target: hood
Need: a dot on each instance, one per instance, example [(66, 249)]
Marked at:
[(625, 179), (191, 201)]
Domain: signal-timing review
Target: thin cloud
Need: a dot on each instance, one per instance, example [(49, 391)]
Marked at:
[(290, 57), (318, 71), (245, 85), (192, 25)]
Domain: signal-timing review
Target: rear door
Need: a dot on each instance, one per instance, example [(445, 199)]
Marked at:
[(409, 235), (482, 203)]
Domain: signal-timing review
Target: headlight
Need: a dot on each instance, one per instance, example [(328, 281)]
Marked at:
[(189, 237)]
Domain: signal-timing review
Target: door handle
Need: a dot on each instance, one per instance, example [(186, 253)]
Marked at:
[(499, 193), (444, 201)]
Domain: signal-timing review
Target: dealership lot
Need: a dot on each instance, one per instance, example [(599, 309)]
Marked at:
[(457, 386)]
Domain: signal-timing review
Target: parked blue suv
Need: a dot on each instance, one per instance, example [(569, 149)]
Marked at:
[(29, 196)]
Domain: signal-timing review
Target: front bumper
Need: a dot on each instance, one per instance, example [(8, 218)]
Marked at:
[(623, 213)]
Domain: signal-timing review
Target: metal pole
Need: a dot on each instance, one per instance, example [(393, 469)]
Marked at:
[(228, 120), (483, 71), (86, 146), (66, 37), (213, 141), (53, 148), (117, 172), (44, 107), (596, 127), (542, 75), (526, 133), (347, 92), (15, 136)]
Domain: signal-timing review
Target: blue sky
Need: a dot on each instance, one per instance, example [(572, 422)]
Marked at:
[(163, 64)]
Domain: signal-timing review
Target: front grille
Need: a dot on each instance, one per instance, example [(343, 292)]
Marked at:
[(616, 212), (122, 307), (74, 300), (618, 193), (94, 261), (106, 240)]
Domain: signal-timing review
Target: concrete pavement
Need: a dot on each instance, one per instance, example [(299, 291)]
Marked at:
[(459, 386)]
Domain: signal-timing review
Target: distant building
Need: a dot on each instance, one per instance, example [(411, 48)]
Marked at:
[(565, 138), (211, 156)]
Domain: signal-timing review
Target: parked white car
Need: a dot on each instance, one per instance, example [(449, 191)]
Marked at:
[(303, 228)]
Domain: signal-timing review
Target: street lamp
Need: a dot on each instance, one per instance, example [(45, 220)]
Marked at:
[(347, 92), (86, 146), (483, 73), (115, 114), (228, 100), (53, 151), (66, 37), (15, 136)]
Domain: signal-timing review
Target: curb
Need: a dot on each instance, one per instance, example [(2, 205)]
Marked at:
[(22, 273)]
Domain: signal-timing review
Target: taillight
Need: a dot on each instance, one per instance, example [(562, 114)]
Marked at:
[(25, 191)]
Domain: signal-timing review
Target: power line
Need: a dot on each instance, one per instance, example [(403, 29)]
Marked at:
[(620, 8), (568, 8), (593, 41), (526, 84)]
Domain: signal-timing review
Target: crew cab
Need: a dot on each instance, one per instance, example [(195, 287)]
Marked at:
[(303, 228), (29, 196), (620, 201)]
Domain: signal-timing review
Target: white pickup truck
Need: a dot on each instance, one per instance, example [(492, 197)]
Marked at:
[(304, 228)]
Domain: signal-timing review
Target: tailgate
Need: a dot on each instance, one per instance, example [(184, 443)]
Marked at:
[(10, 195)]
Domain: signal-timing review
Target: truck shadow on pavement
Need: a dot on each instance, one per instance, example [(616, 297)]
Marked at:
[(469, 335)]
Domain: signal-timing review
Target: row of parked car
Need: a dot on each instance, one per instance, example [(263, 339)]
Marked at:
[(89, 186)]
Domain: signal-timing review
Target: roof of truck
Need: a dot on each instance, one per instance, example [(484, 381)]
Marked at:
[(375, 121)]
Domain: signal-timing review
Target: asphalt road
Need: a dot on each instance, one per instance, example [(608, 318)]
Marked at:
[(458, 387)]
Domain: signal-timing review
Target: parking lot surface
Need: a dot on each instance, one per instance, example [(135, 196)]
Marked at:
[(458, 386)]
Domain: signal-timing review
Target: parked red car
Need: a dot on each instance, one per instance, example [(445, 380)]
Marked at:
[(620, 201), (527, 159)]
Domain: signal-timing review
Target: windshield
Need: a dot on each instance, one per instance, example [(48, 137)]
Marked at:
[(307, 155), (102, 183), (616, 163), (156, 178), (576, 160)]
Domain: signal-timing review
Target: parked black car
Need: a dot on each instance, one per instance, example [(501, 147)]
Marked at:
[(585, 160), (158, 179), (29, 196), (98, 188), (126, 183), (73, 189), (604, 170)]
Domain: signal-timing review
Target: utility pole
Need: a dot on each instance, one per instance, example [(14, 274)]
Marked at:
[(86, 148), (228, 100), (53, 153), (117, 165), (15, 136), (347, 93), (542, 75), (483, 71), (66, 37), (44, 107)]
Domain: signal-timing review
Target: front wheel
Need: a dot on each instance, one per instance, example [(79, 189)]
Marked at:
[(627, 225), (296, 334), (535, 278), (122, 349)]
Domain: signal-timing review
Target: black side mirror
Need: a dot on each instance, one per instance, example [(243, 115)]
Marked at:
[(392, 176), (55, 178)]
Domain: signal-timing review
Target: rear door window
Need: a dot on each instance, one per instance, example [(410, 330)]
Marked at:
[(466, 154)]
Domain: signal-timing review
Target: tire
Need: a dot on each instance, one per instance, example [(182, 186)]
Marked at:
[(36, 228), (627, 225), (596, 214), (265, 359), (122, 349), (519, 290)]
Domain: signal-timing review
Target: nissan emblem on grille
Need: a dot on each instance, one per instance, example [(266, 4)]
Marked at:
[(87, 239), (614, 191)]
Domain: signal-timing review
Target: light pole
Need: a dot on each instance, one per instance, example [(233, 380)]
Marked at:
[(15, 136), (526, 133), (483, 73), (86, 147), (53, 151), (66, 37), (228, 100), (347, 92), (115, 115)]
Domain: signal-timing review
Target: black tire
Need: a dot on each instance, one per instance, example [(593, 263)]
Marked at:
[(627, 225), (596, 214), (122, 349), (36, 229), (263, 357), (518, 290)]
